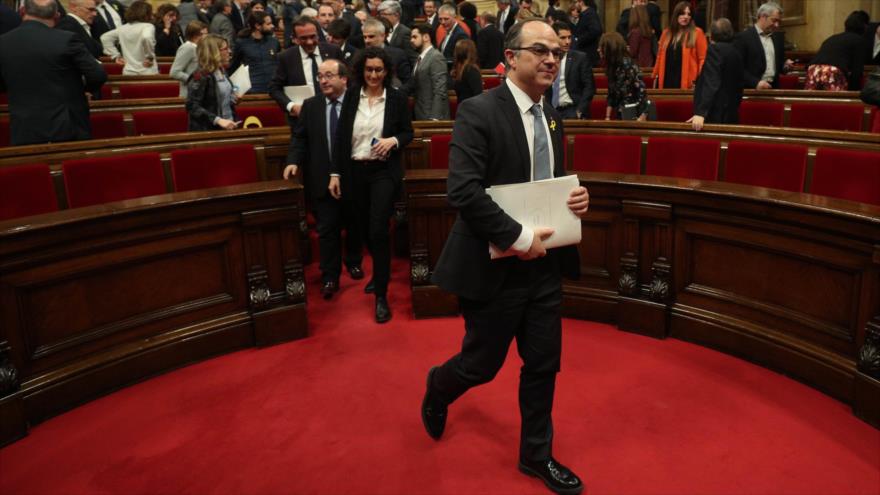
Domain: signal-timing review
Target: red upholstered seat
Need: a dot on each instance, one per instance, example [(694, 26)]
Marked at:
[(875, 126), (149, 90), (780, 166), (603, 153), (92, 181), (847, 174), (674, 110), (106, 92), (649, 81), (164, 68), (269, 115), (107, 125), (440, 150), (597, 108), (112, 69), (201, 168), (25, 191), (4, 98), (761, 113), (683, 157), (840, 117), (4, 132), (491, 82), (601, 81), (790, 82), (160, 122)]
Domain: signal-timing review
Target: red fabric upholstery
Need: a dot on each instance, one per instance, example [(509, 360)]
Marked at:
[(490, 82), (875, 127), (112, 69), (107, 125), (649, 81), (4, 133), (602, 153), (453, 107), (780, 166), (674, 110), (92, 181), (597, 108), (106, 92), (601, 81), (269, 115), (202, 168), (790, 82), (834, 116), (683, 157), (164, 68), (25, 191), (149, 90), (847, 174), (761, 113), (440, 150), (4, 98), (160, 122)]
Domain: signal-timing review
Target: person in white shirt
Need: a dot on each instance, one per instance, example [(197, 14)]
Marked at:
[(185, 60), (137, 39)]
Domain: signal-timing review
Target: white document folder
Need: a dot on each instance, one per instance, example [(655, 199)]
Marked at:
[(241, 79), (542, 203), (299, 94)]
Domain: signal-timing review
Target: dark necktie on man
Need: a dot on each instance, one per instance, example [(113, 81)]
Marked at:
[(416, 67), (542, 149), (316, 84), (108, 16), (334, 122)]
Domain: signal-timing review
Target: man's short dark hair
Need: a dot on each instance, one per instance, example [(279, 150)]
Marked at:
[(424, 28), (339, 28), (721, 30), (303, 21), (43, 10), (561, 26), (855, 23)]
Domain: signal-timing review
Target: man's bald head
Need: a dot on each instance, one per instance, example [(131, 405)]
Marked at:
[(43, 10)]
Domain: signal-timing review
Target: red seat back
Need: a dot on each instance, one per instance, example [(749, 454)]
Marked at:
[(597, 108), (4, 98), (761, 113), (491, 82), (25, 191), (875, 127), (112, 69), (790, 82), (93, 181), (149, 90), (847, 174), (453, 107), (160, 122), (269, 115), (106, 92), (107, 125), (601, 81), (201, 168), (164, 68), (4, 133), (840, 117), (683, 157), (440, 150), (780, 166), (603, 153), (649, 81), (674, 110)]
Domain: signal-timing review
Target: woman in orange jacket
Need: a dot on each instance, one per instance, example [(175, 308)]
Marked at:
[(681, 51)]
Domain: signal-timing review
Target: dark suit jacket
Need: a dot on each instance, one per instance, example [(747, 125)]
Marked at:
[(579, 82), (9, 19), (397, 123), (719, 88), (68, 23), (448, 53), (490, 47), (586, 34), (510, 21), (44, 70), (489, 148), (309, 148), (289, 71), (356, 38), (654, 15), (401, 62), (237, 22), (751, 50), (100, 26)]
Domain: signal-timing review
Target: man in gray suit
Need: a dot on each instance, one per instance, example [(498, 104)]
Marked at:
[(428, 82), (399, 35)]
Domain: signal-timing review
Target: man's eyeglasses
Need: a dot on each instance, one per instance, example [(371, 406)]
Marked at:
[(542, 51)]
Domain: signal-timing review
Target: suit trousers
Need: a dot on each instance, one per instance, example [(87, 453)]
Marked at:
[(374, 192), (332, 216), (526, 309)]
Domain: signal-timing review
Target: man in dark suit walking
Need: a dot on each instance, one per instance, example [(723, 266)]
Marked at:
[(298, 65), (311, 147), (490, 42), (507, 136), (587, 31), (111, 15), (762, 42), (719, 88), (80, 16), (572, 91), (47, 73)]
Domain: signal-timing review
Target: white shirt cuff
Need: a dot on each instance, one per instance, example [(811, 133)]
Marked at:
[(289, 106), (524, 241)]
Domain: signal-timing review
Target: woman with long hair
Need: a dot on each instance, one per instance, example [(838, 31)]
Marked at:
[(169, 36), (640, 37), (374, 128), (625, 85), (136, 38), (466, 79), (210, 101), (681, 52)]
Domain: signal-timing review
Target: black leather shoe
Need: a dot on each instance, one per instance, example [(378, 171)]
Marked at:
[(557, 477), (433, 411), (356, 272), (329, 288), (383, 312), (370, 287)]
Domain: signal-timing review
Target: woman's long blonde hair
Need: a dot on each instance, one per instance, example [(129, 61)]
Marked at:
[(208, 52)]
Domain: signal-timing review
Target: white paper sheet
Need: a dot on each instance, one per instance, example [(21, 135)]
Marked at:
[(540, 204), (299, 94), (241, 79)]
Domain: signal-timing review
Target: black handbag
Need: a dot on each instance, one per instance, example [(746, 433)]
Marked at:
[(871, 92)]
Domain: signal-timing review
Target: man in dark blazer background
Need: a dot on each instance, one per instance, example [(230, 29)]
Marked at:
[(573, 98), (759, 42), (507, 12), (454, 33), (719, 88), (399, 34), (311, 147), (291, 62), (375, 30), (588, 30), (46, 73), (490, 42), (516, 297), (111, 15), (79, 19)]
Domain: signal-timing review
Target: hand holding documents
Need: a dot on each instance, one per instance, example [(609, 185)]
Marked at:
[(241, 80), (299, 94), (541, 203)]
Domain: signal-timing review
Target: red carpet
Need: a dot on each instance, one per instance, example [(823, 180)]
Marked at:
[(337, 413)]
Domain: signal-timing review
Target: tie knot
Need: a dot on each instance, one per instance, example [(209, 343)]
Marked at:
[(312, 55), (536, 110)]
